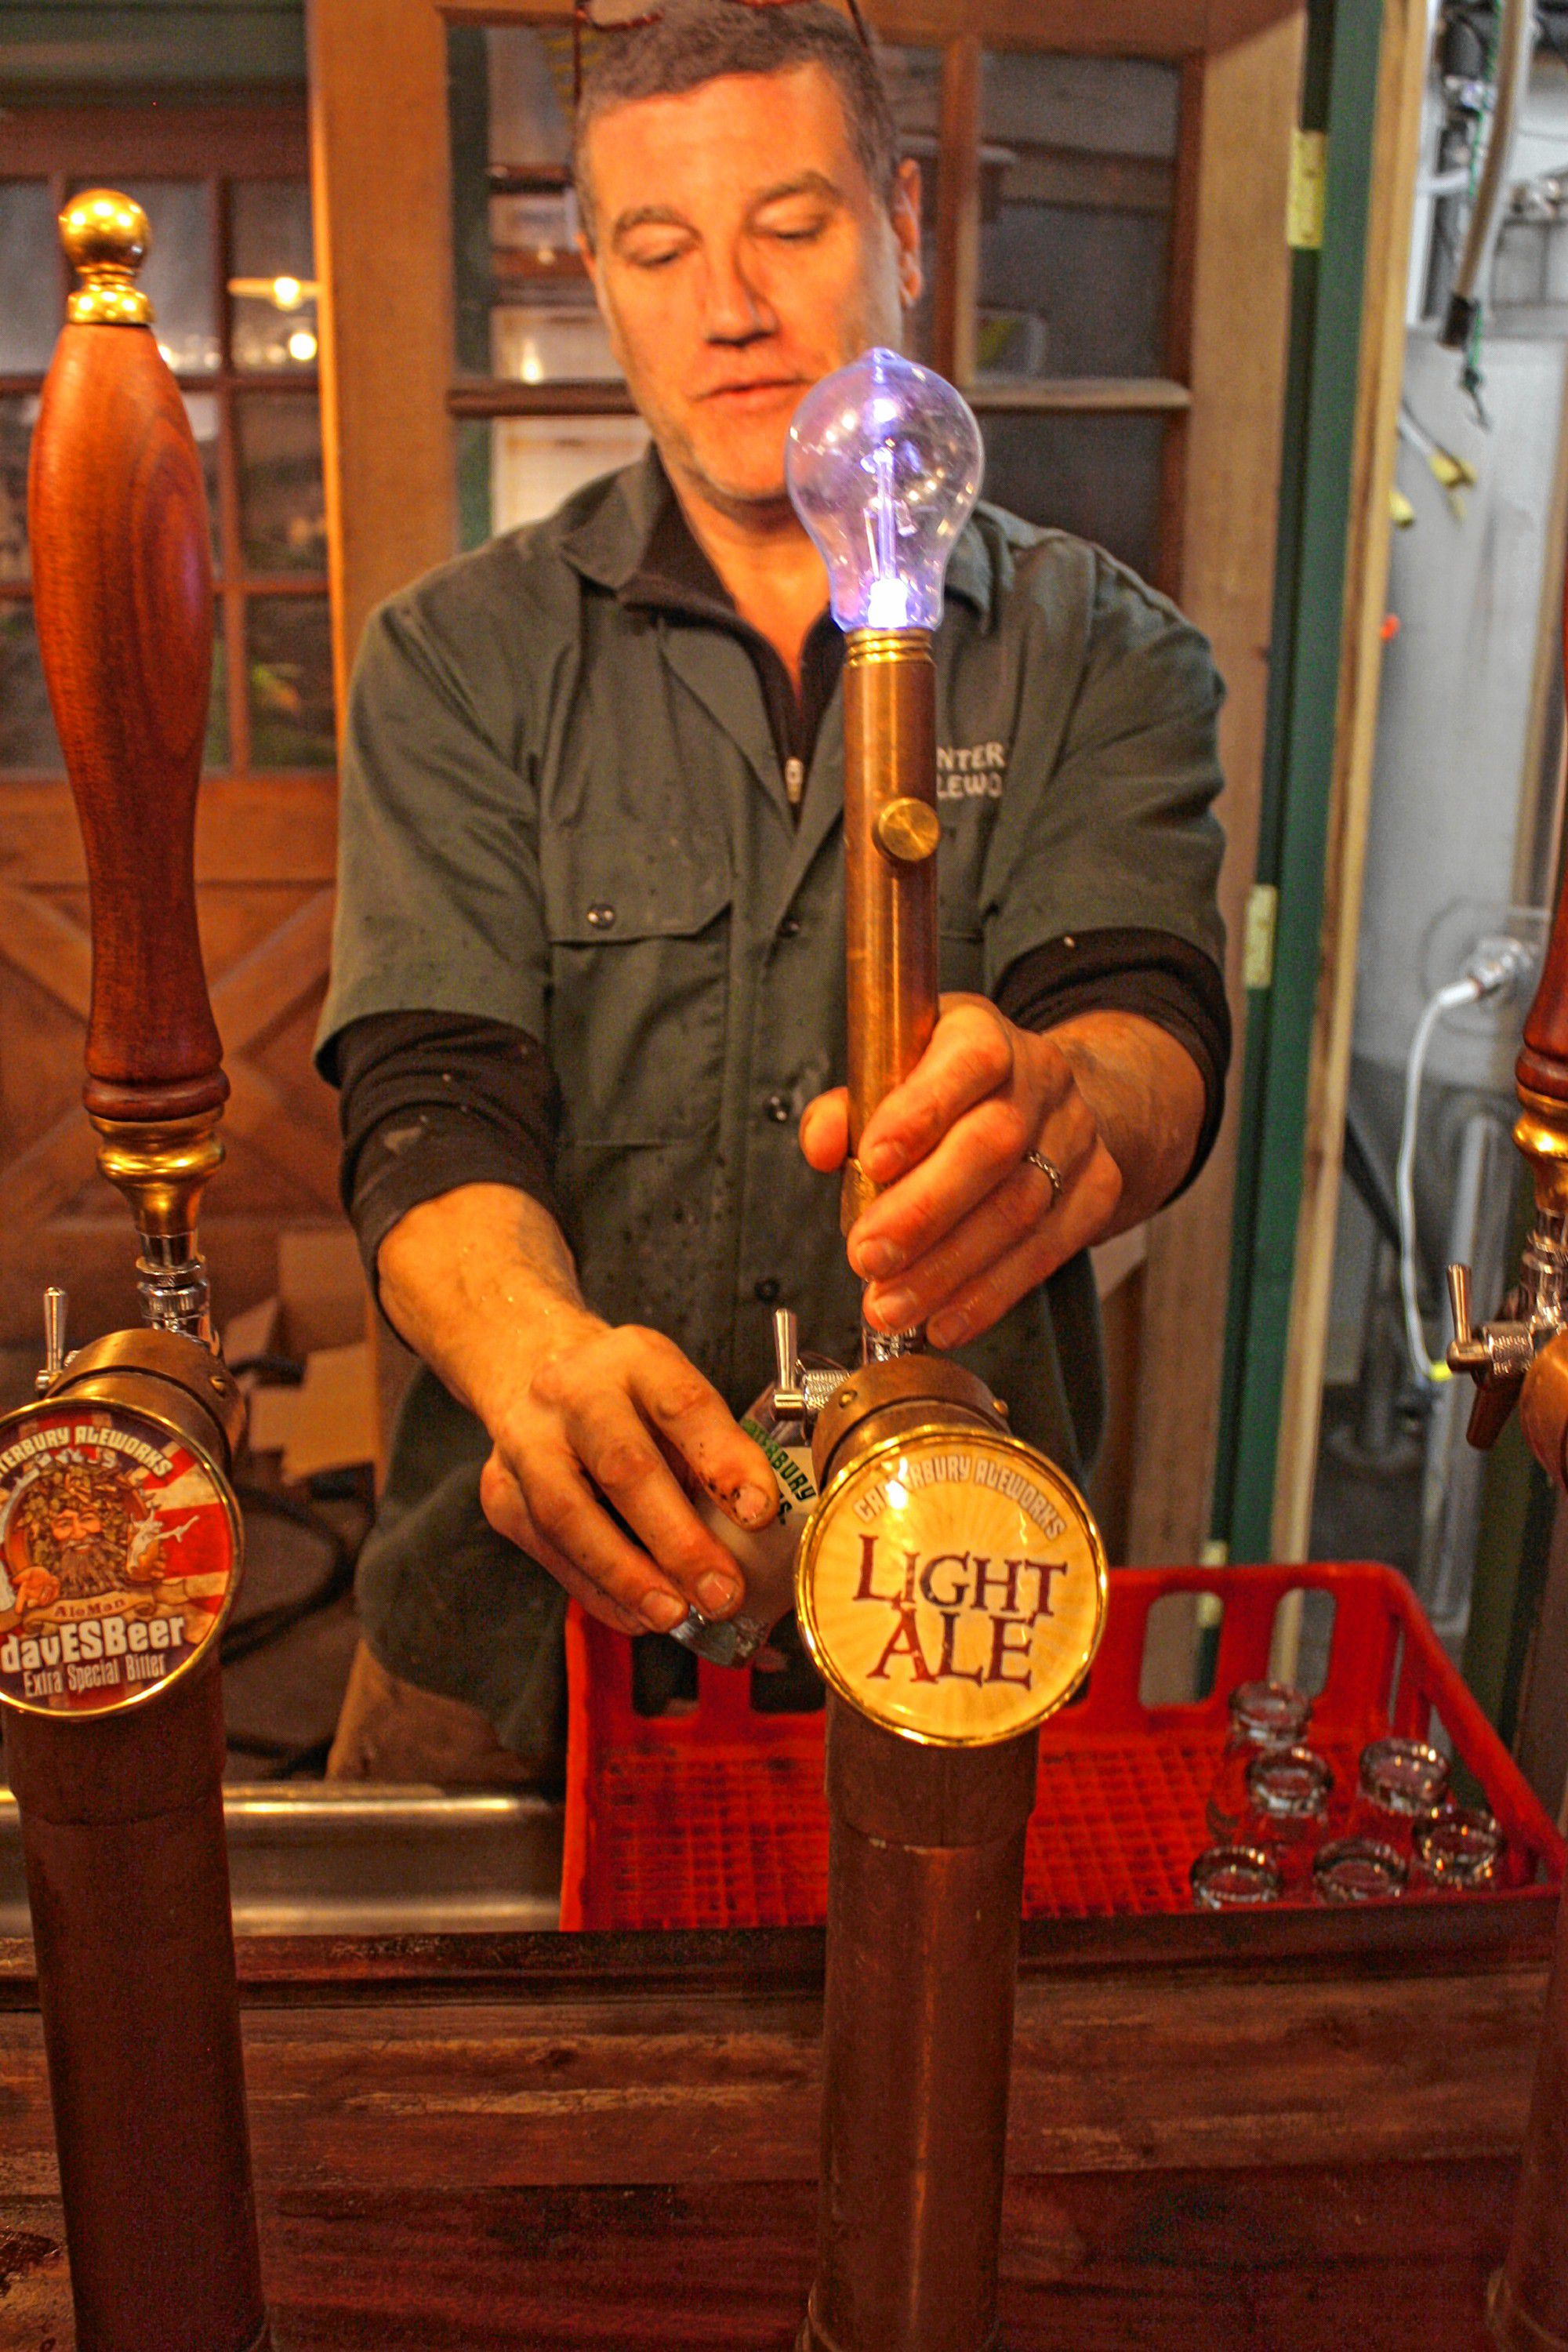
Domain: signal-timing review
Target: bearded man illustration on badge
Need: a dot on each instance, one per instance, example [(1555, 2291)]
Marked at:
[(79, 1532)]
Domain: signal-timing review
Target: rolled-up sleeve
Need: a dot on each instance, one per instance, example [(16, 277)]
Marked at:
[(439, 904)]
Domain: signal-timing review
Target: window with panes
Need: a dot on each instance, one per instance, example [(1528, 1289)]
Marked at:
[(231, 277), (1050, 202)]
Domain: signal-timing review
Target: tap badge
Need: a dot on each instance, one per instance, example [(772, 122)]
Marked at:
[(119, 1557), (952, 1586)]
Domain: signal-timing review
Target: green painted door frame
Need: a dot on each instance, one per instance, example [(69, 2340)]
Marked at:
[(1340, 99)]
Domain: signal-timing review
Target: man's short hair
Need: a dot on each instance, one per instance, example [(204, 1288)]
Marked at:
[(696, 41)]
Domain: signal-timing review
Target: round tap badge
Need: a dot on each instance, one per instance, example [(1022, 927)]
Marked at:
[(952, 1587), (119, 1557)]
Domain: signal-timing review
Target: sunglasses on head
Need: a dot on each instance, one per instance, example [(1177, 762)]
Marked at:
[(632, 15)]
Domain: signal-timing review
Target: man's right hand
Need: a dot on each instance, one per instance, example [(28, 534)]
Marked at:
[(583, 1416), (619, 1415)]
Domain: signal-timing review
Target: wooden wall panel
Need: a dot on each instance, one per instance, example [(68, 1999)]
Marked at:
[(381, 184), (1246, 95), (265, 868)]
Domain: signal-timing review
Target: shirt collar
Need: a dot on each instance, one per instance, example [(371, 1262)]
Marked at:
[(636, 541)]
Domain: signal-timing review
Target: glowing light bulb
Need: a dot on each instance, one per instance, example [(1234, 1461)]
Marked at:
[(883, 464), (285, 293)]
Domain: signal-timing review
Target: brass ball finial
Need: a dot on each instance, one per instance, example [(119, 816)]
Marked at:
[(106, 238)]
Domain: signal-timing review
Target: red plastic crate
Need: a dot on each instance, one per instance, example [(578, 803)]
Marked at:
[(716, 1818)]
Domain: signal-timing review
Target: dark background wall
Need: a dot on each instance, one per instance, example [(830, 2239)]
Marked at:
[(112, 50)]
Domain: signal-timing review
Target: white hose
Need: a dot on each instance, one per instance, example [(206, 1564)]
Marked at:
[(1468, 991)]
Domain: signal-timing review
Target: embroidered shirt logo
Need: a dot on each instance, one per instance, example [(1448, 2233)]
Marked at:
[(969, 771)]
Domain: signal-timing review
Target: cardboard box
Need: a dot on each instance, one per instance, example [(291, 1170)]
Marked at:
[(319, 1318)]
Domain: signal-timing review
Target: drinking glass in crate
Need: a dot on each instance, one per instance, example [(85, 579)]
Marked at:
[(1460, 1847), (1288, 1799), (1235, 1878), (1262, 1715), (1402, 1782), (1359, 1870)]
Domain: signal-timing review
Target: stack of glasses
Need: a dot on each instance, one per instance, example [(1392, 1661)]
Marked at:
[(1284, 1829)]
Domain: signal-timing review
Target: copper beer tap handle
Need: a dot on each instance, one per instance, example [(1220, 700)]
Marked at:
[(890, 835)]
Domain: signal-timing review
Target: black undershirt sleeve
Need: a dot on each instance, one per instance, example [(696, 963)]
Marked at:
[(1145, 972), (432, 1100)]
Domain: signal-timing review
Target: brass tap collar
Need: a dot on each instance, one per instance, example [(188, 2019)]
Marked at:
[(864, 646), (162, 1166), (193, 1389), (874, 1388), (1541, 1131), (1543, 1409)]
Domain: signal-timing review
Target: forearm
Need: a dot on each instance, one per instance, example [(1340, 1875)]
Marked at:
[(582, 1417), (1148, 1101), (480, 1282)]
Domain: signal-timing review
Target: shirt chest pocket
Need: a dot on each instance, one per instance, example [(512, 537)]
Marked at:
[(639, 950)]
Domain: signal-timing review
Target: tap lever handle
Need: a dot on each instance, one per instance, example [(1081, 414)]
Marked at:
[(787, 1348), (1459, 1302), (55, 1305)]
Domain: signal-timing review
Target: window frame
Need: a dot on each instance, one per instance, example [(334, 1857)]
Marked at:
[(476, 399), (213, 146)]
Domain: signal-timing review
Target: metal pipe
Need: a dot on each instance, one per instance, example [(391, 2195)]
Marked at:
[(1528, 2307), (1516, 47), (1523, 1357), (127, 1883), (924, 1897)]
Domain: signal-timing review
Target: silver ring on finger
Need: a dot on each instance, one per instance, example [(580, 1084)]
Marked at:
[(1052, 1174)]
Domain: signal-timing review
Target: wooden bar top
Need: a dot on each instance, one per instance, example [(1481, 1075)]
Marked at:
[(1256, 2136)]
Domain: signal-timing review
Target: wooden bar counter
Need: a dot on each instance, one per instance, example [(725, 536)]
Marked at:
[(1291, 2134)]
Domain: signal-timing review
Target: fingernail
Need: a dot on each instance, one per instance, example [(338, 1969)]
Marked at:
[(882, 1162), (718, 1594), (948, 1330), (754, 1507), (896, 1309), (662, 1611), (878, 1259)]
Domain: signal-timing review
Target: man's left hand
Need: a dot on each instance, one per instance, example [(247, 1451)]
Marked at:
[(966, 1224)]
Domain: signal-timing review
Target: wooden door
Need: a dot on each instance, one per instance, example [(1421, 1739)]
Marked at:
[(233, 284), (1183, 401)]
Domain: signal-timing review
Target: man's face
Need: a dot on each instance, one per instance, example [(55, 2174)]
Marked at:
[(741, 256)]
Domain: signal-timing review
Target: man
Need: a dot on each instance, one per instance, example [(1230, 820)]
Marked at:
[(588, 969)]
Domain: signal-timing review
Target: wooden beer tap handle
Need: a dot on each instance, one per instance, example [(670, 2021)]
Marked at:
[(1542, 1065), (122, 591)]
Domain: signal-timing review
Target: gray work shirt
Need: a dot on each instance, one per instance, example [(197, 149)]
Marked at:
[(567, 813)]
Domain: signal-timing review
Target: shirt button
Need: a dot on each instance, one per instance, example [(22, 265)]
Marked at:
[(790, 928), (767, 1290), (778, 1108), (601, 916)]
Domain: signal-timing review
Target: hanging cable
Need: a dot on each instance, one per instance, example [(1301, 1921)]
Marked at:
[(1497, 965)]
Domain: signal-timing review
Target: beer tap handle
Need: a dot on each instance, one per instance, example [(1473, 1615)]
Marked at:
[(124, 599)]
